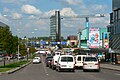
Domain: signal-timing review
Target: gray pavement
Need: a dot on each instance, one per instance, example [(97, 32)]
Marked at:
[(110, 66), (40, 72)]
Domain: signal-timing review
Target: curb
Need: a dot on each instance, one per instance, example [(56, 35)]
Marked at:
[(110, 69), (15, 69)]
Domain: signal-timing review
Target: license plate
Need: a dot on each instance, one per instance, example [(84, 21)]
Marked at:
[(63, 65), (90, 63)]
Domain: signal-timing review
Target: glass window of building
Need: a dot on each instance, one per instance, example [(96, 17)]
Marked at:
[(119, 14)]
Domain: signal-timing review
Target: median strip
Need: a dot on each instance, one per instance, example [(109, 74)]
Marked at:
[(10, 68)]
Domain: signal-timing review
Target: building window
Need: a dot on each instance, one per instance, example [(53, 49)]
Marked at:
[(119, 14)]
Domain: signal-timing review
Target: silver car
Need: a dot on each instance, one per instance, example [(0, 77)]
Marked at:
[(91, 63)]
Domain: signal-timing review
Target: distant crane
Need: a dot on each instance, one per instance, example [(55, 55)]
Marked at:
[(86, 17)]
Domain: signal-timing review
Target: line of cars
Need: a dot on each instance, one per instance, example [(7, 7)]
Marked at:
[(61, 62)]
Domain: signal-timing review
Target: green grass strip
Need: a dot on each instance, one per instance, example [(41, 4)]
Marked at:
[(4, 69), (11, 66), (14, 65)]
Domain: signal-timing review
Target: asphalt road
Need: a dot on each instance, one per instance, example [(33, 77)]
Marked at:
[(40, 72)]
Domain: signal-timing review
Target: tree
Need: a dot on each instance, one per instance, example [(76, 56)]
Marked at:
[(8, 40)]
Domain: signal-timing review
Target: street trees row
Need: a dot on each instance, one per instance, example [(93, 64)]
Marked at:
[(7, 40), (9, 43)]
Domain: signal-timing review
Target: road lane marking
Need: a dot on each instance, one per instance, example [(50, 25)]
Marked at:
[(44, 66)]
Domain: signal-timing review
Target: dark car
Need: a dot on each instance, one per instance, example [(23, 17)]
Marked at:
[(48, 60)]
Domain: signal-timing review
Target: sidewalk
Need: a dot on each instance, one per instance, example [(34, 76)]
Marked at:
[(110, 66)]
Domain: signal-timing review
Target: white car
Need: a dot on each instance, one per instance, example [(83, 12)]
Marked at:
[(91, 63), (36, 60), (65, 62), (79, 60)]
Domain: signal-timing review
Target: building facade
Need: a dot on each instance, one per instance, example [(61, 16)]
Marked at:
[(72, 41), (55, 27), (93, 38), (114, 30), (114, 27)]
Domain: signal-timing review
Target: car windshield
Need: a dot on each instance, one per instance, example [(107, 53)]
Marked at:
[(67, 59), (90, 59), (36, 58)]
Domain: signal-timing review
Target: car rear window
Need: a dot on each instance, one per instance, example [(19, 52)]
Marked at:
[(66, 59), (90, 59), (79, 59)]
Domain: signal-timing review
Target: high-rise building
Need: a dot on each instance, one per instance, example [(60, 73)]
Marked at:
[(114, 29), (55, 29), (115, 4)]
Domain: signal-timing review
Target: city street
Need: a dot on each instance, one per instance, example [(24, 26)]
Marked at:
[(41, 72)]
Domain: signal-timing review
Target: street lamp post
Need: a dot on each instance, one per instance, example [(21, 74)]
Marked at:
[(18, 55)]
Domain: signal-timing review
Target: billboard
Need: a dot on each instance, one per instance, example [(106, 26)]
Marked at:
[(105, 40), (94, 38)]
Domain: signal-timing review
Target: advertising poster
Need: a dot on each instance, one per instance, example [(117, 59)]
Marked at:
[(94, 38), (105, 40)]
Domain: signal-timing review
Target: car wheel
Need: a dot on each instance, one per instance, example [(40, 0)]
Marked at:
[(46, 65), (58, 70), (49, 66), (53, 68), (98, 70), (73, 70), (84, 70)]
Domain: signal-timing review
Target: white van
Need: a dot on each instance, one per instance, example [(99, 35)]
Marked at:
[(79, 60), (55, 58), (65, 62)]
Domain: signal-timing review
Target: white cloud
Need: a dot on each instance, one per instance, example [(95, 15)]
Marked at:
[(6, 10), (74, 2), (100, 22), (16, 16), (4, 18), (49, 13), (63, 12), (98, 7), (29, 9), (67, 12), (32, 17), (40, 22)]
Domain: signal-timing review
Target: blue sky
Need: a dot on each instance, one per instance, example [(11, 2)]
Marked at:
[(23, 15)]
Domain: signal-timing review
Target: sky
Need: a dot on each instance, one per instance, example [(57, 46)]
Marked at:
[(31, 17)]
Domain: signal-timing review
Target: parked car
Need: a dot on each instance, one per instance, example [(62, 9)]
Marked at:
[(48, 60), (79, 60), (65, 62), (36, 60), (91, 63)]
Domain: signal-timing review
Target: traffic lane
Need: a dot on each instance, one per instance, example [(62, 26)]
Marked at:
[(30, 72), (40, 72), (104, 74), (80, 75)]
